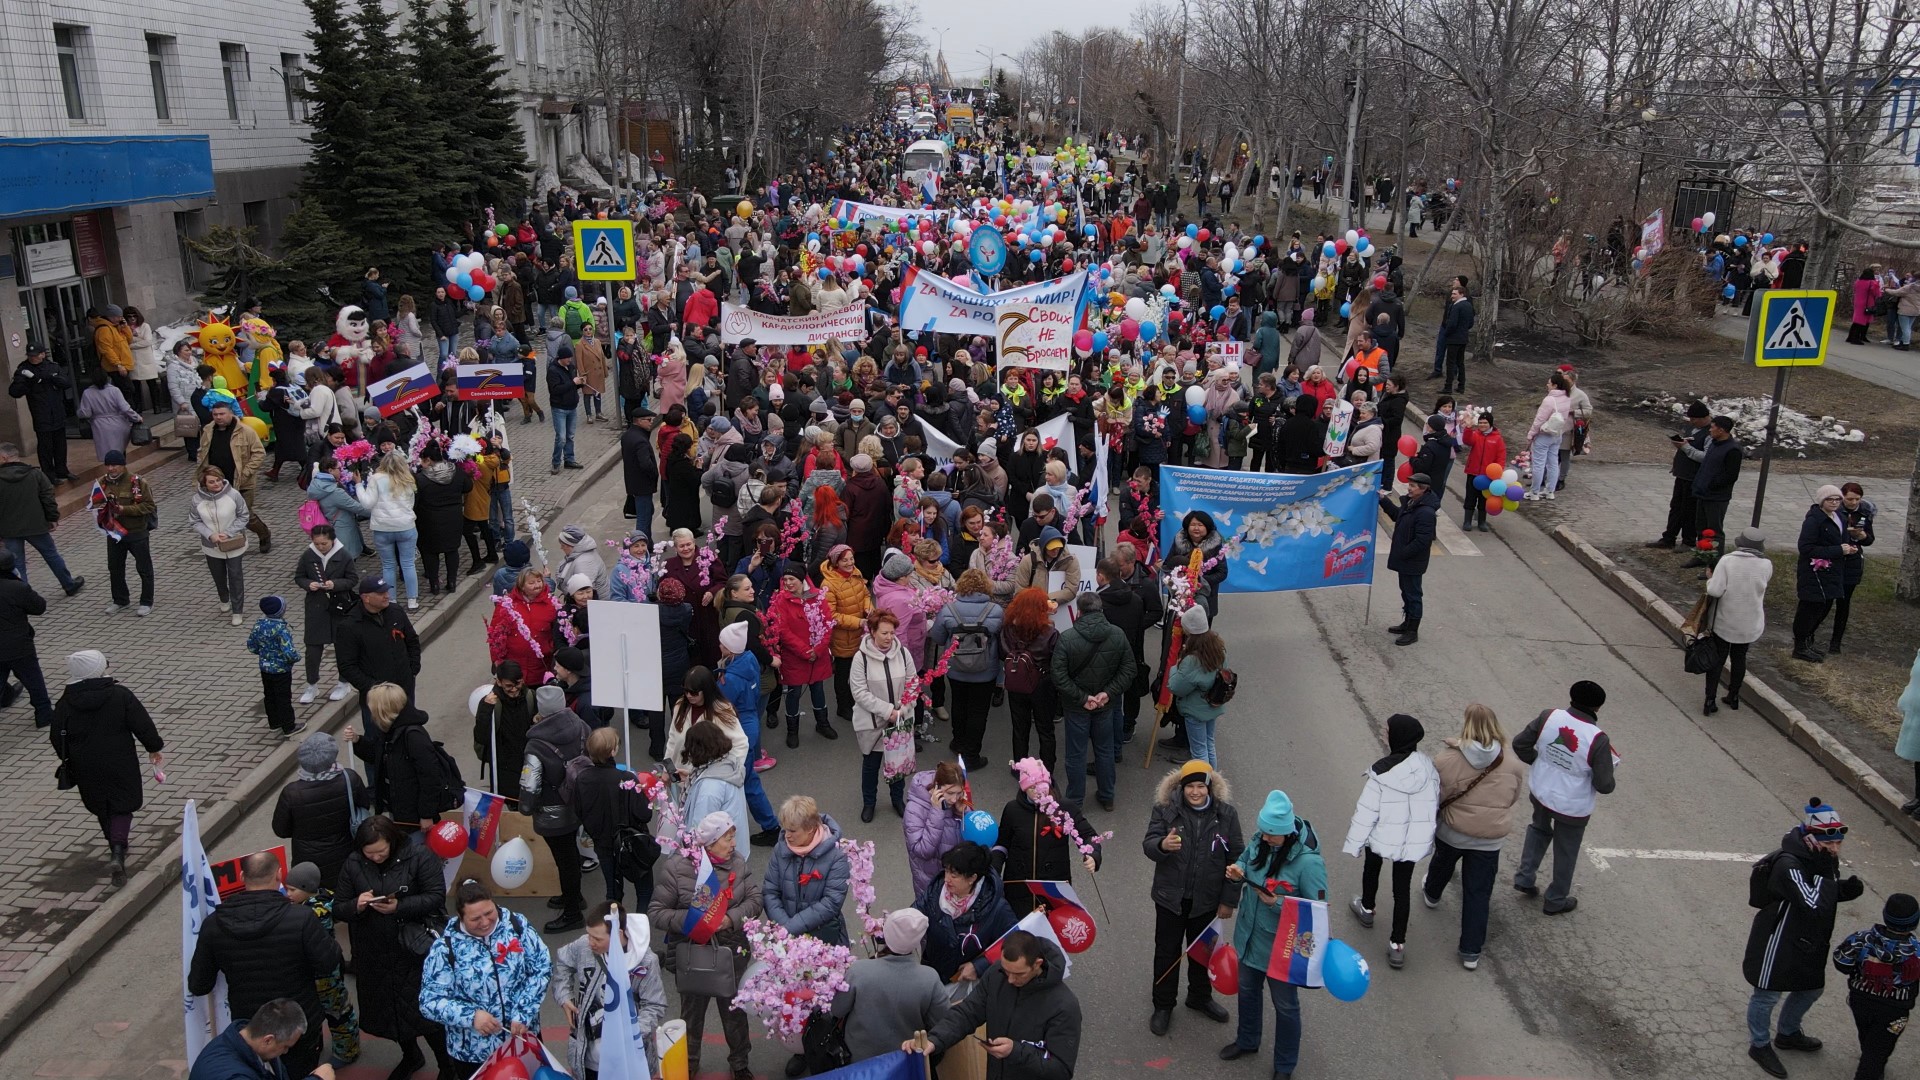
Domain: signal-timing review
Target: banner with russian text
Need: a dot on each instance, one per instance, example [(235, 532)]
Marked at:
[(929, 302), (849, 210), (489, 382), (1035, 335), (1284, 532), (737, 324)]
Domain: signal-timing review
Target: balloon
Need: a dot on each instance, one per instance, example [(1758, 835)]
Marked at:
[(506, 1069), (1073, 927), (1193, 230), (1318, 282), (1699, 224), (1496, 470), (1497, 488), (1239, 265), (1196, 414), (1168, 291), (980, 828), (1260, 241), (1329, 249), (512, 863), (492, 240), (1204, 235), (1341, 246), (1353, 237), (1739, 241), (548, 1072), (1480, 483), (1707, 218), (501, 230), (1345, 971), (1223, 969), (813, 244), (447, 839), (1100, 341), (825, 273), (1496, 507), (1184, 243), (256, 425), (1404, 472), (1083, 341), (1136, 308), (1766, 238), (1035, 256), (465, 281), (1149, 330), (1129, 330), (1196, 395), (453, 275), (1379, 281), (1511, 475), (1408, 446), (1346, 310), (744, 208), (1217, 311), (1066, 266), (1729, 292)]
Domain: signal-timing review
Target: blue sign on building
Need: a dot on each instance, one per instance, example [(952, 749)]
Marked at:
[(68, 175)]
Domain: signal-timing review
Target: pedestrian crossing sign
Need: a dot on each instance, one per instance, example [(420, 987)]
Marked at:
[(603, 250), (1790, 327)]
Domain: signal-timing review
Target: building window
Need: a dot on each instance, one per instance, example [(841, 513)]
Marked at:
[(539, 39), (293, 81), (513, 37), (189, 225), (70, 44), (233, 75), (160, 61), (254, 216), (493, 27)]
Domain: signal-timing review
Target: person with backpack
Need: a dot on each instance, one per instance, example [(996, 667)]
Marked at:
[(615, 814), (1797, 889), (1201, 683), (1393, 822), (1882, 966), (414, 779), (557, 737), (1027, 639), (972, 620)]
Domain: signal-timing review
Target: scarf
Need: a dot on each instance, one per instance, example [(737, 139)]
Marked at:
[(819, 835), (332, 770), (956, 906)]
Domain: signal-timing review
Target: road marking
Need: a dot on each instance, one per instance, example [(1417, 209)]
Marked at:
[(1452, 540), (1600, 856)]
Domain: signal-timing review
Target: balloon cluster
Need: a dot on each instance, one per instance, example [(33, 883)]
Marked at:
[(469, 275), (1502, 485)]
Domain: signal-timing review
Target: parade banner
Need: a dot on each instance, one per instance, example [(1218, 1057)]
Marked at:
[(848, 210), (205, 1016), (489, 382), (737, 324), (403, 390), (1284, 532), (929, 302), (1653, 235), (1035, 335), (939, 447)]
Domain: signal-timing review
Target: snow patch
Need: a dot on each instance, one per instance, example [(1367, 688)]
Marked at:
[(1797, 430)]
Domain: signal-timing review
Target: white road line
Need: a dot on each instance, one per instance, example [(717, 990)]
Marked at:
[(1600, 856), (1452, 540)]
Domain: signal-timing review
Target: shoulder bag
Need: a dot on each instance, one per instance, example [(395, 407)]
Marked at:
[(1697, 640), (711, 969), (1475, 782), (355, 814)]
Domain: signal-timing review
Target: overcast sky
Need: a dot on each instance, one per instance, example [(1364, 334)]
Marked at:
[(1007, 26)]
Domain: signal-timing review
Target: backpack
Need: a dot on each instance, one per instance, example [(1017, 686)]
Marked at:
[(723, 491), (635, 851), (1021, 672), (1759, 879), (312, 516), (974, 653), (1225, 682), (575, 324), (449, 790)]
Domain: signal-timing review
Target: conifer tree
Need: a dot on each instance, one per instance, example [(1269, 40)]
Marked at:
[(491, 146)]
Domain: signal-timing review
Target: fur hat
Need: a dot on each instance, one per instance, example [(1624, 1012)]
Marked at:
[(1586, 696)]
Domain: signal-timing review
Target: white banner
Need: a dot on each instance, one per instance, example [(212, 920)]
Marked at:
[(737, 324), (849, 210), (939, 447), (1035, 335), (929, 302), (205, 1016), (625, 662)]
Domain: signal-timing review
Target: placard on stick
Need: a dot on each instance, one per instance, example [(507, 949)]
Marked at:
[(625, 658)]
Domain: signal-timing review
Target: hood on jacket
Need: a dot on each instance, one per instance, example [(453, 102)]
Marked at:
[(1411, 776), (1167, 792), (1403, 738), (1051, 976), (1269, 321), (440, 472), (561, 729), (724, 768), (14, 472), (1478, 755), (409, 717), (871, 651), (831, 843), (90, 694)]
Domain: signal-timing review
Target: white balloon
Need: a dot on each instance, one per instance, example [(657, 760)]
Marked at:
[(1318, 282), (453, 274), (1136, 309), (1229, 254), (813, 246), (929, 246), (1707, 218), (1511, 476), (512, 863), (1168, 290), (1353, 238), (1196, 395), (1046, 239), (1185, 242)]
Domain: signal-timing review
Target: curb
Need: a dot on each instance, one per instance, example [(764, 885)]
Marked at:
[(161, 876), (1845, 765)]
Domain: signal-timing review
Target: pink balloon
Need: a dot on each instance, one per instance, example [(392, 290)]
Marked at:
[(1083, 341), (1129, 329)]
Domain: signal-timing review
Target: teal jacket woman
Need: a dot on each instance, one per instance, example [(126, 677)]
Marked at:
[(1297, 870)]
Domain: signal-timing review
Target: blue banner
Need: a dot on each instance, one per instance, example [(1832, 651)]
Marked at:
[(898, 1065), (1283, 531), (51, 176)]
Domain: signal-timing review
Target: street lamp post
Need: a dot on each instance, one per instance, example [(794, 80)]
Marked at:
[(1180, 95), (1080, 87)]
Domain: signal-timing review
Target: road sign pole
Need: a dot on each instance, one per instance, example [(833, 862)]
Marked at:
[(1766, 448)]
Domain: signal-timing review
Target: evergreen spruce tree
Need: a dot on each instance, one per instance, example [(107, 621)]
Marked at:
[(441, 127), (320, 272), (491, 149), (386, 198), (333, 96)]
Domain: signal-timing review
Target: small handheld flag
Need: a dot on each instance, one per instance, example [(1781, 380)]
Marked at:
[(402, 391)]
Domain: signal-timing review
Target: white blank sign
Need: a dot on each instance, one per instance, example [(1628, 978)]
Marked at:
[(625, 657)]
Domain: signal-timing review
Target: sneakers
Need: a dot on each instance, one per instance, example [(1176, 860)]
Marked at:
[(1764, 1057), (234, 619), (1530, 497), (311, 692), (116, 608), (413, 604), (1396, 955), (295, 729), (1430, 901), (1470, 960), (764, 762), (1548, 495), (1361, 912), (143, 610), (339, 691)]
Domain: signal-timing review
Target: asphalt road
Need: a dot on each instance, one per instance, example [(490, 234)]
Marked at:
[(1643, 980)]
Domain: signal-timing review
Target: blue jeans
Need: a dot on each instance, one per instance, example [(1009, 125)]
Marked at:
[(500, 512), (446, 348), (1545, 453), (42, 543), (563, 425), (397, 550), (1200, 734), (1102, 727), (1478, 870), (792, 695), (642, 507), (1760, 1012), (1411, 596), (541, 313), (1905, 328), (758, 804), (1439, 352), (1286, 1018)]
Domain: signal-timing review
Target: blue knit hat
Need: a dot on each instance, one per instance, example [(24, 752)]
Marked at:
[(1276, 816), (516, 553)]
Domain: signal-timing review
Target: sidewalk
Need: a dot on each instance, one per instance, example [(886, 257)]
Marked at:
[(1878, 364), (194, 674)]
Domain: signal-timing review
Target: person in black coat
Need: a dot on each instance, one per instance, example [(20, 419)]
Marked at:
[(682, 494), (410, 783), (44, 387), (500, 725), (316, 808), (95, 724), (18, 604), (1414, 523), (954, 944), (268, 947), (1435, 456), (439, 510), (1193, 834), (1302, 438), (605, 808), (639, 469), (1713, 483), (1787, 947), (1031, 848), (1857, 514), (392, 893), (330, 583), (1393, 418), (375, 643), (1820, 574)]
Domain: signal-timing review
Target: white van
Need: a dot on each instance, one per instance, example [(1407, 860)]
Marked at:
[(924, 156)]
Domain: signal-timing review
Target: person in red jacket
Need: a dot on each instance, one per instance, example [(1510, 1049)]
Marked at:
[(702, 309), (523, 627), (1485, 446), (800, 624)]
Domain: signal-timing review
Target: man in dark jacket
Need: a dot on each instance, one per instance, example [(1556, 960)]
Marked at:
[(1146, 586), (256, 1049), (1192, 837), (375, 643), (640, 469), (743, 373), (1680, 510), (1713, 484), (45, 387), (563, 397), (1092, 668), (18, 602), (1454, 328), (1123, 608), (27, 516), (1787, 946), (1414, 522), (268, 947), (1393, 419), (1435, 456), (1031, 1016)]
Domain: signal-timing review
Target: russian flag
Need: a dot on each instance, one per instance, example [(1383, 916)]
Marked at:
[(1215, 935), (402, 391), (930, 186), (1036, 924), (1055, 894), (1299, 942), (489, 382)]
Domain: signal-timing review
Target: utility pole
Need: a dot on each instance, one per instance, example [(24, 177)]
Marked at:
[(1353, 130), (1180, 96)]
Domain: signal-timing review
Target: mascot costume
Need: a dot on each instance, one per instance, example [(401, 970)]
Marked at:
[(351, 346), (219, 348)]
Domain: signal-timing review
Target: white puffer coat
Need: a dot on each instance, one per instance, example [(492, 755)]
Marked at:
[(1397, 811)]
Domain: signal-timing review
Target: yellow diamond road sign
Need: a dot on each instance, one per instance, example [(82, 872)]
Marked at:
[(603, 250), (1790, 327)]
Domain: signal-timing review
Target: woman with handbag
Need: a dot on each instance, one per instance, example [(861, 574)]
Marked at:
[(878, 680), (558, 736), (1738, 593), (331, 586), (1480, 783), (220, 516), (112, 418), (707, 964), (321, 806), (484, 980), (580, 977), (183, 380), (390, 896), (615, 813)]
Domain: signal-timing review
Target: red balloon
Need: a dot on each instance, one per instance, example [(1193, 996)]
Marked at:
[(447, 839), (1408, 446), (506, 1069), (1379, 281), (1223, 970), (1204, 235), (1496, 507), (1405, 471), (1073, 927), (1340, 246), (1066, 266), (860, 248)]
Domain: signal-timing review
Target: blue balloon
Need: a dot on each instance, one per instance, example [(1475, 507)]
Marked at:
[(1729, 292), (1497, 488), (1239, 265), (1149, 331), (1260, 241), (1196, 414), (1099, 341), (1739, 241), (1035, 256), (465, 281), (1218, 311), (1092, 230), (1346, 310), (1481, 483), (813, 236), (1229, 290), (980, 828), (825, 273), (548, 1072), (1193, 230), (1345, 971), (1766, 238), (476, 293), (1328, 249)]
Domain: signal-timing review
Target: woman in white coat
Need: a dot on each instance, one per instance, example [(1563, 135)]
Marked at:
[(1394, 822), (1739, 589), (1552, 421)]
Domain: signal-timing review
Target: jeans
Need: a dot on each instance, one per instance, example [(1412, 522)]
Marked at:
[(591, 404), (446, 349), (500, 512), (1760, 1013), (42, 543), (1904, 335), (28, 668), (1173, 931), (642, 507), (1200, 736), (1565, 837), (229, 581), (1412, 597), (817, 691), (1439, 353), (1102, 727), (758, 804), (134, 544), (1402, 891), (1286, 1017), (1478, 870), (1545, 451), (563, 425), (396, 558)]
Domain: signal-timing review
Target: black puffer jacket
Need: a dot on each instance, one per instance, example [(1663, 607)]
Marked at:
[(1035, 850), (268, 947), (1210, 840), (95, 723), (314, 814), (1042, 1018), (410, 773), (18, 602)]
